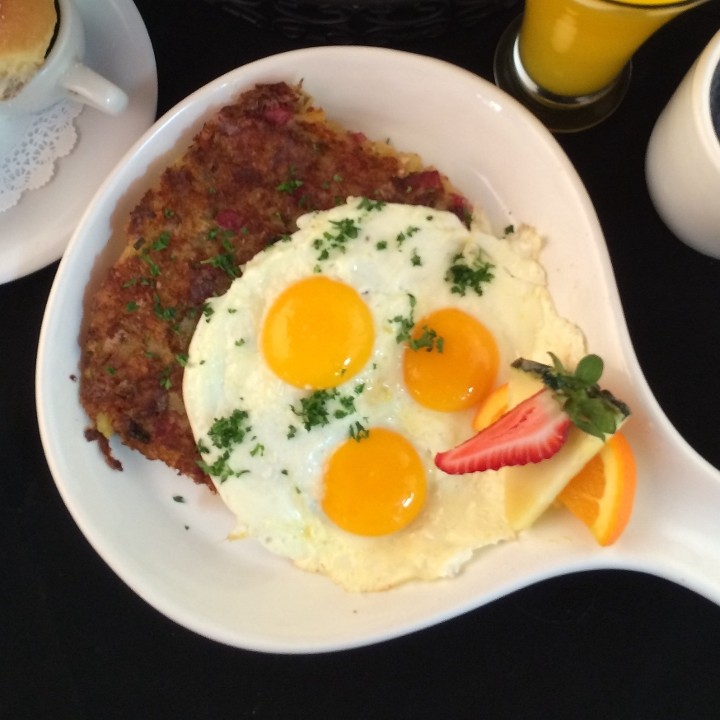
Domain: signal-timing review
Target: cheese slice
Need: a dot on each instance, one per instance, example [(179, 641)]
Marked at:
[(531, 489)]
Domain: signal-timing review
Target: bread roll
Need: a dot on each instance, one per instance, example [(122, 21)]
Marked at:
[(26, 31)]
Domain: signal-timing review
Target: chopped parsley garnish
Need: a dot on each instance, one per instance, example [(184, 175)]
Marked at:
[(321, 406), (313, 410), (221, 469), (464, 274), (208, 311), (358, 431), (405, 323), (344, 231), (229, 431), (161, 241), (407, 233), (428, 339), (152, 265), (165, 380), (224, 261), (368, 204), (291, 184), (161, 311), (224, 434)]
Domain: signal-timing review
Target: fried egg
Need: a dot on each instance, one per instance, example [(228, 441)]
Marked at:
[(320, 387)]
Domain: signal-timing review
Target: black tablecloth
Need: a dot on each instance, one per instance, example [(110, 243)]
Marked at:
[(76, 642)]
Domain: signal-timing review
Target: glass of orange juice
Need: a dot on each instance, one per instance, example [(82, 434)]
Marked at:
[(568, 61)]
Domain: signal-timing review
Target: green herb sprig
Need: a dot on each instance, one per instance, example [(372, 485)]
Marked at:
[(594, 410)]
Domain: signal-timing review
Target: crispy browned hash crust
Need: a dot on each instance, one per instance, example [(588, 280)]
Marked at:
[(251, 171)]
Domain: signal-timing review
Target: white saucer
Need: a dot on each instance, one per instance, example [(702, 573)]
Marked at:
[(34, 232)]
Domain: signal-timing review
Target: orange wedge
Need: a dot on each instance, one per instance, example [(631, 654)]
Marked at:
[(490, 410), (601, 495)]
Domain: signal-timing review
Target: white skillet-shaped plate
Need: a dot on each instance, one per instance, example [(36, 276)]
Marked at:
[(175, 555)]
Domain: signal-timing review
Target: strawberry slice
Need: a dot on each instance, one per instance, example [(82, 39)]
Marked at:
[(530, 432)]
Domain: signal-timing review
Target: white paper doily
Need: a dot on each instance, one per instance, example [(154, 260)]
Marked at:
[(31, 145)]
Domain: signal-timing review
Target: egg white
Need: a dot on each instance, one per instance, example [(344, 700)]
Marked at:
[(276, 496)]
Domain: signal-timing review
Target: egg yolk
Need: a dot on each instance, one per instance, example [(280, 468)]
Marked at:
[(318, 333), (453, 362), (374, 485)]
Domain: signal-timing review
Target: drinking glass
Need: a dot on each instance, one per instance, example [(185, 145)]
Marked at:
[(568, 61)]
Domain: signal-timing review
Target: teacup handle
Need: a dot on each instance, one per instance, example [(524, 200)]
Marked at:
[(93, 89)]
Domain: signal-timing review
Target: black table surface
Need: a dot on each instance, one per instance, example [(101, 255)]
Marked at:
[(76, 642)]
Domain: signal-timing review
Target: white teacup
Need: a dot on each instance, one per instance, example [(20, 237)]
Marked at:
[(63, 75), (682, 165)]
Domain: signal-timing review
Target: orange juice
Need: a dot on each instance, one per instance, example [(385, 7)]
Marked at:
[(578, 47)]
